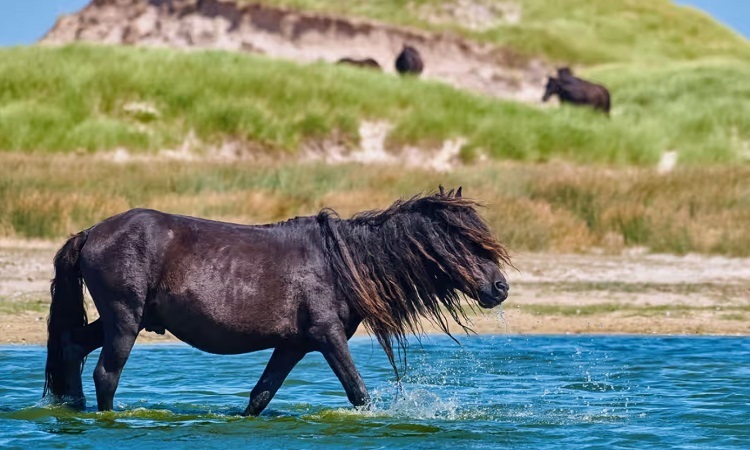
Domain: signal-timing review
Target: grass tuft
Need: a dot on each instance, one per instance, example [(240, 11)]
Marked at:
[(79, 98), (531, 207)]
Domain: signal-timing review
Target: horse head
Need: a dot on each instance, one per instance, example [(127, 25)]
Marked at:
[(552, 88), (564, 72), (486, 285)]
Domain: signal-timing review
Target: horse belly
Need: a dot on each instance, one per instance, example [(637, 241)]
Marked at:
[(223, 328)]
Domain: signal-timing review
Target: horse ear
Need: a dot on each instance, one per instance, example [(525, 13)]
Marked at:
[(458, 192), (442, 189)]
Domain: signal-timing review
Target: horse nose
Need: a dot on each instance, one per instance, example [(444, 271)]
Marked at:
[(502, 289)]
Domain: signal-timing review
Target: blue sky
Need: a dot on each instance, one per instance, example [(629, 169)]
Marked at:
[(734, 13), (25, 21)]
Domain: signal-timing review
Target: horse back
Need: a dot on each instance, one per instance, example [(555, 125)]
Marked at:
[(166, 248), (126, 247), (578, 91), (221, 287)]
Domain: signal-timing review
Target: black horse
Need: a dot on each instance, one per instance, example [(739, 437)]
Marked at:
[(577, 91), (367, 63), (297, 286), (409, 61)]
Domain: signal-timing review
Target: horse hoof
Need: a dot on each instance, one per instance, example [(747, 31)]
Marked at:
[(77, 403)]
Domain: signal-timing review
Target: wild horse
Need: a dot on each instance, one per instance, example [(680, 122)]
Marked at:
[(297, 286), (577, 91)]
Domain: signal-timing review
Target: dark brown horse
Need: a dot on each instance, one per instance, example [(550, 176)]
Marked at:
[(367, 63), (576, 91), (409, 61), (298, 286)]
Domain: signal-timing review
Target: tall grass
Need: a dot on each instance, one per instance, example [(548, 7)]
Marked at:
[(536, 207), (577, 31), (75, 99)]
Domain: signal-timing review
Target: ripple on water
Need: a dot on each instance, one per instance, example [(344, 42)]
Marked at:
[(491, 391)]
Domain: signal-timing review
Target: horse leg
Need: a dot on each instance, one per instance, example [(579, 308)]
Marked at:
[(281, 363), (334, 346), (76, 345), (86, 339), (120, 329)]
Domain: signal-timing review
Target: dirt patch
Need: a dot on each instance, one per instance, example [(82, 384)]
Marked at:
[(308, 37), (550, 294), (474, 15), (372, 150)]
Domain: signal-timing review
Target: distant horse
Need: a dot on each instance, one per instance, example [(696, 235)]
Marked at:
[(368, 63), (409, 61), (298, 286), (564, 72), (571, 89)]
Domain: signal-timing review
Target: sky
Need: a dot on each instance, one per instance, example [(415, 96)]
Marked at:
[(25, 21)]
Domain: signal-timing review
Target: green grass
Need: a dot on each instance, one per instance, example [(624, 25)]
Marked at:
[(680, 82), (629, 310), (544, 207), (15, 306), (705, 289), (73, 98), (735, 317), (575, 31)]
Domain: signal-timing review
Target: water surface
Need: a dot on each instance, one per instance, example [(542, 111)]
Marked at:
[(491, 392)]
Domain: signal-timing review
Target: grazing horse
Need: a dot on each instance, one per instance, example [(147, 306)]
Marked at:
[(409, 61), (564, 72), (576, 91), (368, 63), (298, 286)]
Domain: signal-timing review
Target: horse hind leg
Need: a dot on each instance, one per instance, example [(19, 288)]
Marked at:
[(76, 345), (85, 340), (281, 363)]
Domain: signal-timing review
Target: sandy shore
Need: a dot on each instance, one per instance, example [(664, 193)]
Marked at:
[(550, 294)]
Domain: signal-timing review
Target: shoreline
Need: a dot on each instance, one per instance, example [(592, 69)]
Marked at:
[(361, 336), (551, 294)]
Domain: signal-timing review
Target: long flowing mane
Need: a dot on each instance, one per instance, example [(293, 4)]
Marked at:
[(409, 261)]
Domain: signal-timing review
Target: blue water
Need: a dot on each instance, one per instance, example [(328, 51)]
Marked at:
[(492, 392)]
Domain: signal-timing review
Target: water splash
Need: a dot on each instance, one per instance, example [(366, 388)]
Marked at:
[(414, 403), (500, 317)]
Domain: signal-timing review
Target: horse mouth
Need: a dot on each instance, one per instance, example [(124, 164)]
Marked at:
[(489, 301)]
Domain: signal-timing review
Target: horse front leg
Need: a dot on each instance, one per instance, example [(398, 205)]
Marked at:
[(281, 363), (334, 346)]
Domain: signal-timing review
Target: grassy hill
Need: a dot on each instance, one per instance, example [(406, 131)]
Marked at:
[(72, 98), (578, 31), (680, 82)]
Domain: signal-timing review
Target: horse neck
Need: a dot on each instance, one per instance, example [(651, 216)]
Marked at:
[(373, 243)]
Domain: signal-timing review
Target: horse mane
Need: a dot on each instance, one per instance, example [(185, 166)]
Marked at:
[(409, 261)]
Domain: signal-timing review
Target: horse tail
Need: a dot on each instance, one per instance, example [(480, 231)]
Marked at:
[(66, 313)]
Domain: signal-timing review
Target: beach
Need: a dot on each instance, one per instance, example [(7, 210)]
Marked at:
[(628, 293)]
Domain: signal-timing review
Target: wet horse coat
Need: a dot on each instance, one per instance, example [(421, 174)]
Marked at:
[(298, 286)]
